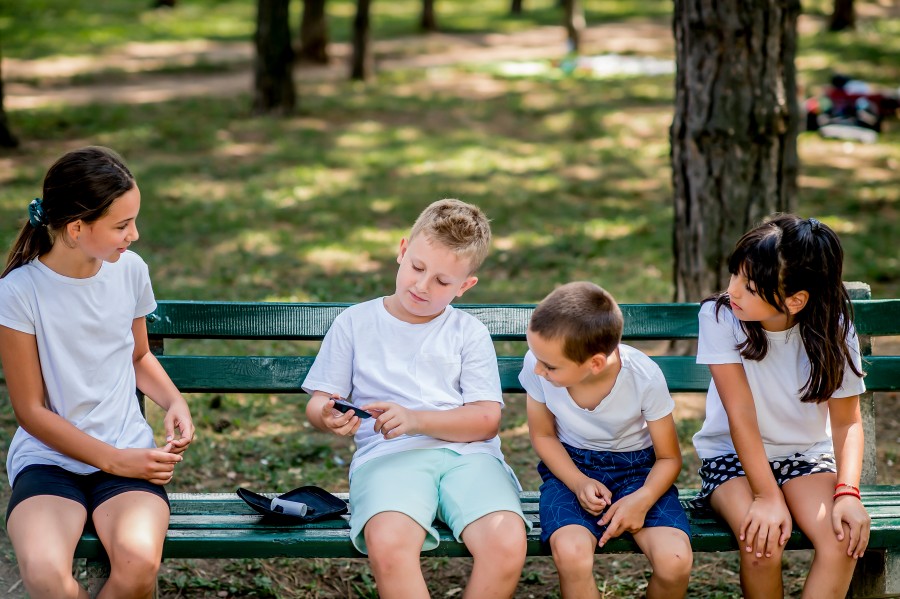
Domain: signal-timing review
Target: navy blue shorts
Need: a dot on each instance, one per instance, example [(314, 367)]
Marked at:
[(623, 473), (90, 490)]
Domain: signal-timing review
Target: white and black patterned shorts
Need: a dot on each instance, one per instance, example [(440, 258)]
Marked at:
[(720, 469)]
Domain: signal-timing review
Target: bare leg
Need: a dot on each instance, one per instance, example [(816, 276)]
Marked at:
[(394, 541), (671, 557), (573, 548), (810, 500), (498, 544), (44, 531), (760, 576), (132, 527)]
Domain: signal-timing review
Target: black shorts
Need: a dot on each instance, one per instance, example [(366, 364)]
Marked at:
[(90, 490)]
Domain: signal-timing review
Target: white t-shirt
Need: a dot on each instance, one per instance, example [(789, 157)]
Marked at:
[(368, 355), (619, 423), (85, 346), (786, 424)]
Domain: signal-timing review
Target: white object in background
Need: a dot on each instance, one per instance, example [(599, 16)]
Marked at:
[(292, 508), (849, 132)]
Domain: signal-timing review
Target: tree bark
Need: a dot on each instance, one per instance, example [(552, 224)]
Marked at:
[(7, 139), (843, 17), (574, 22), (734, 131), (314, 33), (361, 57), (428, 21), (273, 64), (515, 8)]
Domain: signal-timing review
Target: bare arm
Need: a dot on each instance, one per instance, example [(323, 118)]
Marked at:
[(21, 365), (768, 521), (593, 496), (847, 435), (475, 421), (153, 380)]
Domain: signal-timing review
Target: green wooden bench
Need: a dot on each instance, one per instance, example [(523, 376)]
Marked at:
[(220, 525)]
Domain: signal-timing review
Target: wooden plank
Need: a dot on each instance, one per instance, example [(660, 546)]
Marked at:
[(278, 320)]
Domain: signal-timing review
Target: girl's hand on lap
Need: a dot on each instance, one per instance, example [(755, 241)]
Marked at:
[(849, 512), (178, 416), (767, 522), (154, 465)]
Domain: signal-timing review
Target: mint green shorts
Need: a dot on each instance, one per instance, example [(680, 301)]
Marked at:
[(426, 484)]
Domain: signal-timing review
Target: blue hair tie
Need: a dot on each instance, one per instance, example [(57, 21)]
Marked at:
[(36, 213), (813, 224)]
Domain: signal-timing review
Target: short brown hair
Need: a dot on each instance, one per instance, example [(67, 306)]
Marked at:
[(584, 315), (460, 227)]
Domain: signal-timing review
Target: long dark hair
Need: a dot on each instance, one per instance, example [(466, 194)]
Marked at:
[(782, 256), (81, 185)]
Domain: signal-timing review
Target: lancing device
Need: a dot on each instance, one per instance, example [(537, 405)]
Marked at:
[(292, 508)]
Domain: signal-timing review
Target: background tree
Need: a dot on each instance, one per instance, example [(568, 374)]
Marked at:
[(273, 63), (361, 57), (428, 22), (734, 132), (313, 33), (573, 19), (843, 16), (515, 8), (7, 139)]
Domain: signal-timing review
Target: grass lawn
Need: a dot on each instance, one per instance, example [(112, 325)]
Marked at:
[(574, 173)]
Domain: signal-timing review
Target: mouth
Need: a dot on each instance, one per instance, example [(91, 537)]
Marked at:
[(416, 297)]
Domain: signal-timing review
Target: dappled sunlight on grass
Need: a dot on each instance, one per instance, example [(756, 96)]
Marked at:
[(337, 260)]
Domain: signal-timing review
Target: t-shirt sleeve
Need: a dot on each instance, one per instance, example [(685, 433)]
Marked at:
[(146, 301), (529, 380), (479, 378), (16, 312), (332, 370), (717, 343), (656, 402), (852, 384)]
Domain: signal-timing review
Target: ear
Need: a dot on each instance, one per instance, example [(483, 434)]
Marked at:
[(404, 245), (597, 363), (467, 284), (74, 228), (796, 302)]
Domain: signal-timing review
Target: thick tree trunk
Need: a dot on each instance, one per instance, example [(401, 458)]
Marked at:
[(734, 131), (574, 22), (428, 21), (313, 33), (361, 58), (515, 8), (274, 79), (843, 16), (7, 139)]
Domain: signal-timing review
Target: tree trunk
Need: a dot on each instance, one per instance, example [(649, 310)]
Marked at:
[(274, 78), (361, 58), (516, 7), (734, 131), (428, 22), (574, 22), (7, 139), (843, 16), (314, 33)]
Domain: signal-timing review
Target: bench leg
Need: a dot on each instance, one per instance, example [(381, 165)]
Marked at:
[(877, 574), (98, 574)]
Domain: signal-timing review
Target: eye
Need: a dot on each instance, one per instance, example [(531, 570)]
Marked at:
[(417, 268), (442, 283)]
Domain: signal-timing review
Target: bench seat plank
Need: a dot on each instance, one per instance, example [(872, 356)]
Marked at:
[(221, 525)]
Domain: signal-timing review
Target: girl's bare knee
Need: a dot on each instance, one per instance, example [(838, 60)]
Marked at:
[(43, 577)]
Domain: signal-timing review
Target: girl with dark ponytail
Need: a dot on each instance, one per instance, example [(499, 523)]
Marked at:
[(74, 347), (782, 440)]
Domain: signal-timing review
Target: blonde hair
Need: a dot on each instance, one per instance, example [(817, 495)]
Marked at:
[(460, 227), (584, 315)]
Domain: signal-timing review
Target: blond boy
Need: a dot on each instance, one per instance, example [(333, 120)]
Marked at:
[(427, 373)]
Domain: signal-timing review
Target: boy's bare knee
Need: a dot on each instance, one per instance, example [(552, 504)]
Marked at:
[(674, 568)]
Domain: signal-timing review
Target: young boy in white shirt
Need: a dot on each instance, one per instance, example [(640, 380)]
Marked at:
[(428, 375), (600, 419)]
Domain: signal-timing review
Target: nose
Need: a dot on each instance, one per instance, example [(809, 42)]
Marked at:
[(733, 288), (539, 370), (133, 234)]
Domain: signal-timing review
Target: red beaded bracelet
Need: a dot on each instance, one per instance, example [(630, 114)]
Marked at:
[(839, 485), (851, 493)]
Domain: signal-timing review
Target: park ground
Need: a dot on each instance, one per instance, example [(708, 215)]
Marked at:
[(310, 208)]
